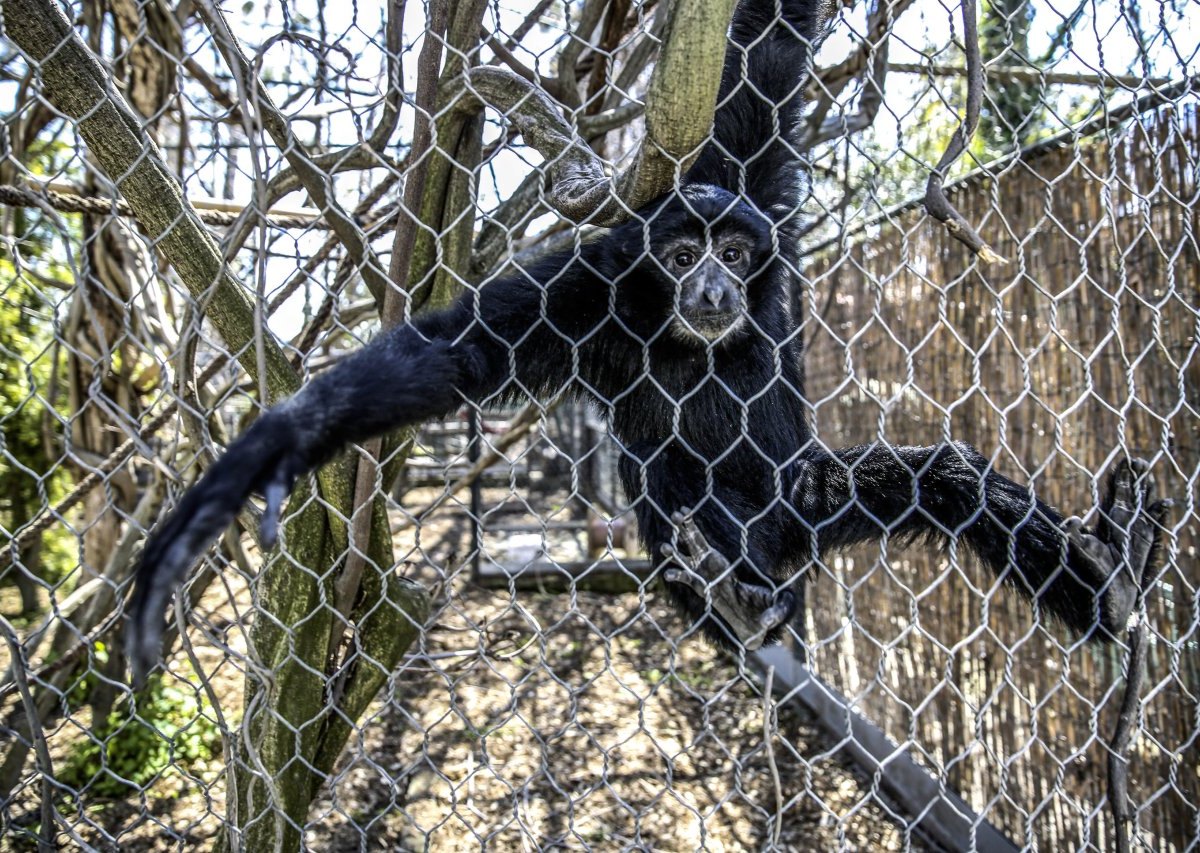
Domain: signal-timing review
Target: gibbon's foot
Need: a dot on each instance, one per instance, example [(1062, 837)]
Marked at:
[(750, 610), (1116, 555)]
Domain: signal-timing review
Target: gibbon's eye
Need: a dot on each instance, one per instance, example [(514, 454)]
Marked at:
[(685, 259), (731, 255)]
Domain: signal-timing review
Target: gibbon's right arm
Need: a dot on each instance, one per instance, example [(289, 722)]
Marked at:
[(497, 340)]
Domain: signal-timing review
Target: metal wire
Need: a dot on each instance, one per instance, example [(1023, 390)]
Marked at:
[(481, 657)]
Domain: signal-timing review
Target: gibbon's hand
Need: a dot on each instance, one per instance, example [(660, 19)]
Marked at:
[(264, 460), (750, 610), (1125, 542)]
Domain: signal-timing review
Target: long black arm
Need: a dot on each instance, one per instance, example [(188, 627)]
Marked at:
[(496, 342), (1087, 578), (760, 107)]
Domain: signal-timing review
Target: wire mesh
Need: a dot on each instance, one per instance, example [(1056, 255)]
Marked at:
[(502, 668)]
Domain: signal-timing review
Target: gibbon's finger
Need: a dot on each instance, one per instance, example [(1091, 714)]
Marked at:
[(1093, 548), (691, 580), (1142, 535), (1131, 488), (275, 493), (751, 611), (776, 614), (259, 460), (691, 537), (1145, 536), (195, 524)]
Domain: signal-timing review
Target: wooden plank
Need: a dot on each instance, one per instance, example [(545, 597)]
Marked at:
[(937, 814)]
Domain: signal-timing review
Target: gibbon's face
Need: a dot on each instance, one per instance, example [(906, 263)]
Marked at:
[(706, 246)]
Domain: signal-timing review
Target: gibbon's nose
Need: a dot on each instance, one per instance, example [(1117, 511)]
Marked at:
[(714, 294)]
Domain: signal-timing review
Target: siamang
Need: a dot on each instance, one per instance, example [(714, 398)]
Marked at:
[(682, 325)]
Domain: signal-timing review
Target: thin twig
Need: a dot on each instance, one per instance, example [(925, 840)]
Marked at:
[(126, 449), (357, 157), (507, 57), (1104, 122), (41, 750), (531, 20), (1038, 76), (936, 203), (870, 62), (315, 181), (394, 96), (768, 736), (525, 420)]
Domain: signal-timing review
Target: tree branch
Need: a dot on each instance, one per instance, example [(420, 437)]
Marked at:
[(681, 99), (394, 49), (679, 109), (77, 84), (316, 182), (1018, 74), (871, 62), (73, 202), (936, 203)]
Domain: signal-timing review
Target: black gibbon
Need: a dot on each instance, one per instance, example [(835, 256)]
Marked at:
[(682, 325)]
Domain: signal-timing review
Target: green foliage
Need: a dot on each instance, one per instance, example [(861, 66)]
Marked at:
[(163, 732), (1014, 110), (29, 470), (79, 692)]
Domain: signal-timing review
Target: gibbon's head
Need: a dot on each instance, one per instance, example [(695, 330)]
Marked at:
[(705, 246)]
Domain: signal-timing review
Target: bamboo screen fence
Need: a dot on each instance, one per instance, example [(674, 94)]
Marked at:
[(1081, 347)]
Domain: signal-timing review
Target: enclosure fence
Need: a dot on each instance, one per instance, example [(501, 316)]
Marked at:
[(460, 642), (1096, 317)]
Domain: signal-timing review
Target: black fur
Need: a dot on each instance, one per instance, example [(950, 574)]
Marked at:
[(711, 420)]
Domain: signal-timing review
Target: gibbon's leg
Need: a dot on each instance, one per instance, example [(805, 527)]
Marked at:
[(752, 612)]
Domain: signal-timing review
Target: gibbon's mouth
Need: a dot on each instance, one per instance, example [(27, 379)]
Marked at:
[(706, 327)]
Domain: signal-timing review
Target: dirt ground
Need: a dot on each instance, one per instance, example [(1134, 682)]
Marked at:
[(598, 735), (582, 743), (534, 721)]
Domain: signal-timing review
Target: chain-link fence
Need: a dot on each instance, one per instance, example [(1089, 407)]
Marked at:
[(462, 640)]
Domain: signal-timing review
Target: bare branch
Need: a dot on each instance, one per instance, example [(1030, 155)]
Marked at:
[(870, 62), (936, 203), (507, 57), (41, 749), (394, 50), (579, 186), (72, 202), (681, 98), (428, 65), (675, 126), (315, 181), (1019, 74), (215, 90), (355, 157), (79, 86), (641, 55), (566, 87), (531, 20)]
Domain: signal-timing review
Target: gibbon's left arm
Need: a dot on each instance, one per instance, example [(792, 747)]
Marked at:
[(1087, 578)]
